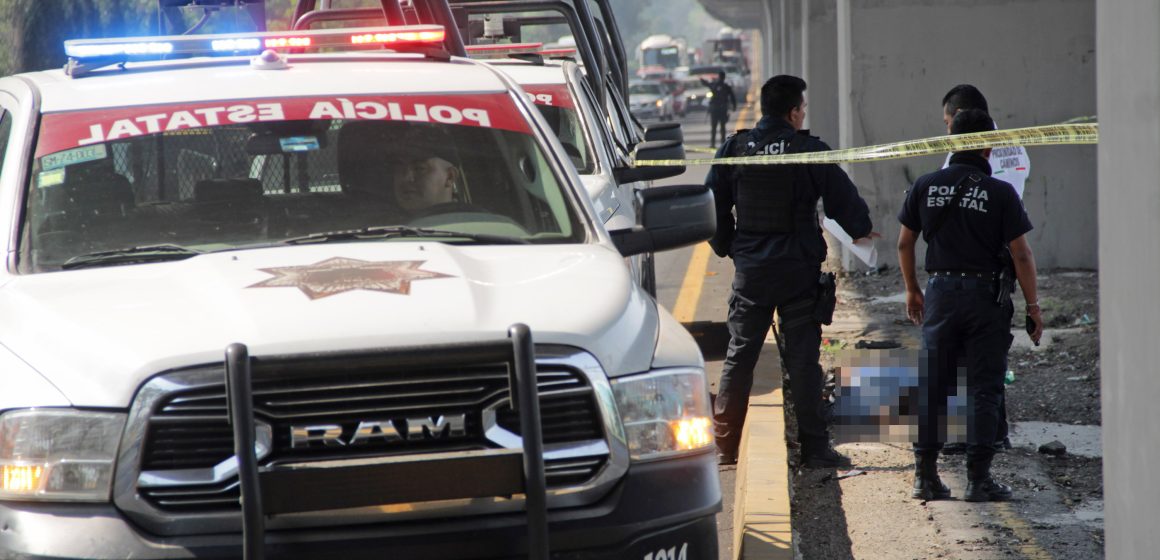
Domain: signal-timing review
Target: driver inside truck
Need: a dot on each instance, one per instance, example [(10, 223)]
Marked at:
[(425, 175)]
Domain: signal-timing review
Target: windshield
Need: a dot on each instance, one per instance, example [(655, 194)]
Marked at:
[(645, 89), (218, 176), (559, 109), (669, 57)]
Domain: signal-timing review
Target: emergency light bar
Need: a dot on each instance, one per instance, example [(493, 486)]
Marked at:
[(502, 49), (239, 43), (558, 52)]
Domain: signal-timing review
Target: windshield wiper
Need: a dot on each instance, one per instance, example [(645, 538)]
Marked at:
[(394, 232), (140, 254)]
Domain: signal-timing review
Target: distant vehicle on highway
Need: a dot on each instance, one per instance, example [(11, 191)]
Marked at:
[(738, 77), (734, 76), (662, 51), (650, 100), (696, 95)]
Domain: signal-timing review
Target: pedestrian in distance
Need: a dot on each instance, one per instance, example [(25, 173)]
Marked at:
[(1009, 164), (720, 100), (971, 222), (777, 249)]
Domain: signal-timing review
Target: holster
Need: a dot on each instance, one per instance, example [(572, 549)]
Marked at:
[(1005, 280), (827, 298)]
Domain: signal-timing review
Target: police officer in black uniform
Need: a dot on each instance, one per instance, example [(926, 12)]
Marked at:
[(719, 104), (961, 98), (968, 220), (777, 249)]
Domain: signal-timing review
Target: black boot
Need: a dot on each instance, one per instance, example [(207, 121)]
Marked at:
[(954, 449), (980, 486), (927, 485)]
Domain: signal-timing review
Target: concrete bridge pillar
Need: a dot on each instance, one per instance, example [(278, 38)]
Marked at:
[(1128, 93)]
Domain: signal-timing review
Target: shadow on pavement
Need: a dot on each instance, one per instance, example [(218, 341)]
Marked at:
[(820, 527)]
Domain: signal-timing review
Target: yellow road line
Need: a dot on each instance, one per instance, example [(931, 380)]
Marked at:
[(1029, 547), (686, 308)]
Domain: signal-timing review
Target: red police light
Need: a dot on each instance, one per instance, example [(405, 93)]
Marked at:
[(389, 38)]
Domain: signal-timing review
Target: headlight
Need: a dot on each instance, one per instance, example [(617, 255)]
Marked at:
[(660, 103), (664, 413), (58, 454), (709, 95)]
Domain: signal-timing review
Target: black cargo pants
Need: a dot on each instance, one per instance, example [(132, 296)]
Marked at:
[(751, 307), (718, 118), (963, 328)]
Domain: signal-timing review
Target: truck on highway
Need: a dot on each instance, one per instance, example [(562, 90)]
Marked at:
[(661, 53)]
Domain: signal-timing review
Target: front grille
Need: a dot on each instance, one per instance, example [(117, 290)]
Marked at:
[(564, 418), (187, 443), (225, 495), (188, 429)]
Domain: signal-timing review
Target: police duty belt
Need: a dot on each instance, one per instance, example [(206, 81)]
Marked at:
[(1049, 135)]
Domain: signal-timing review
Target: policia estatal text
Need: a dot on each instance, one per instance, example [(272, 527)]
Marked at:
[(777, 249), (969, 221)]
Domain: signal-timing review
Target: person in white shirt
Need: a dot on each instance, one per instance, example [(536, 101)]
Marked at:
[(1008, 164)]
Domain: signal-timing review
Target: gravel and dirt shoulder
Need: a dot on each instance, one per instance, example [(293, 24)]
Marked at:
[(1057, 510)]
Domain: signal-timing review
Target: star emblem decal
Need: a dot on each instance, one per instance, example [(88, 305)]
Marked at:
[(339, 274)]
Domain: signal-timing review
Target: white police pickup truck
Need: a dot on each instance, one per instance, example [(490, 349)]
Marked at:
[(595, 146), (367, 224)]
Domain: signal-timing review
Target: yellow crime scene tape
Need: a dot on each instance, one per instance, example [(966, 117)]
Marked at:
[(1049, 135)]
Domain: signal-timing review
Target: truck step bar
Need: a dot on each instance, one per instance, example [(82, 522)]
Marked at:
[(304, 487)]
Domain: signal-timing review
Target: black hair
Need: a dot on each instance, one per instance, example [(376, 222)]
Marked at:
[(972, 120), (781, 94), (963, 97)]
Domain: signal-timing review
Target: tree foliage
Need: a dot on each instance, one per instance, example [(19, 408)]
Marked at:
[(34, 31)]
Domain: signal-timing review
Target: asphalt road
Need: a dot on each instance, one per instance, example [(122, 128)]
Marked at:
[(699, 299)]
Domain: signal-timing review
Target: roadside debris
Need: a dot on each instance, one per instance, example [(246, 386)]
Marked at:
[(1054, 448)]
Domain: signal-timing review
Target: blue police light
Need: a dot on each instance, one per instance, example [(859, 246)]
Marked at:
[(396, 38), (236, 45), (98, 50)]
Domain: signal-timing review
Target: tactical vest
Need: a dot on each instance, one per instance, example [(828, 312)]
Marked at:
[(773, 198)]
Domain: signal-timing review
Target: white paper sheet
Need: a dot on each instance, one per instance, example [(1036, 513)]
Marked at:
[(864, 249)]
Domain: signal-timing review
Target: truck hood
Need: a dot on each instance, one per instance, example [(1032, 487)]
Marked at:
[(97, 334)]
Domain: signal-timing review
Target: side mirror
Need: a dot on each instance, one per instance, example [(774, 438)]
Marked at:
[(658, 149), (671, 217), (664, 131)]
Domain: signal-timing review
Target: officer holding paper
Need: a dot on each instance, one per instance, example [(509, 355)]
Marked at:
[(777, 250)]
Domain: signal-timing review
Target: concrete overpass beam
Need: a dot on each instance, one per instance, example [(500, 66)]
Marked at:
[(1128, 77), (770, 40)]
